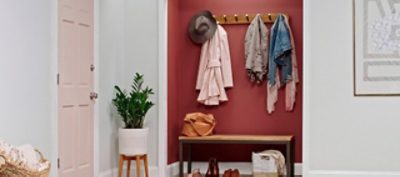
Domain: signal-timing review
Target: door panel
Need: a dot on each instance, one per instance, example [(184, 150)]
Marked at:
[(67, 52), (86, 44), (84, 162), (75, 84), (66, 146)]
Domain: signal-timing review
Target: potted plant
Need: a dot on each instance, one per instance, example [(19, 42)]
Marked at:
[(132, 108)]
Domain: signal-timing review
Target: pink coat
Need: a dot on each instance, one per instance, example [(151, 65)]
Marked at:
[(215, 70)]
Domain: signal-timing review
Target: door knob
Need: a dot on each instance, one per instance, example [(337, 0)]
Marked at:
[(93, 95)]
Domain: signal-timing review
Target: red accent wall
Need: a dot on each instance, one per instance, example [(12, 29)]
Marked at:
[(175, 40), (245, 112)]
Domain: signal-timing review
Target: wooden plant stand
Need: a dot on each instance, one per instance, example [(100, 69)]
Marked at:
[(122, 158)]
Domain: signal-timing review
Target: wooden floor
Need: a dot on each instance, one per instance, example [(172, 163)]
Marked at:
[(250, 176)]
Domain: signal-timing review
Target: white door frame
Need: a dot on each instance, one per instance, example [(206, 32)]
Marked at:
[(306, 83), (162, 88), (96, 118), (54, 86)]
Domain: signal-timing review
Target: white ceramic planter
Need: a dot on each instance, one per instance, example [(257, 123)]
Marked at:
[(133, 141)]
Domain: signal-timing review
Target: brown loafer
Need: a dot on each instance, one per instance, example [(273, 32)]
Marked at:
[(235, 173), (227, 173)]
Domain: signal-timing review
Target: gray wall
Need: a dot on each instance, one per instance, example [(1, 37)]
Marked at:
[(141, 55), (27, 75), (128, 44), (347, 135), (111, 56)]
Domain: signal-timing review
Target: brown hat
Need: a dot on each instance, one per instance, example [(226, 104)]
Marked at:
[(202, 27)]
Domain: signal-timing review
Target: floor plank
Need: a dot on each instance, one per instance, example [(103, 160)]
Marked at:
[(250, 176)]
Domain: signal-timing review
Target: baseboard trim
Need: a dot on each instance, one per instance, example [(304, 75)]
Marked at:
[(153, 171), (245, 168), (328, 173)]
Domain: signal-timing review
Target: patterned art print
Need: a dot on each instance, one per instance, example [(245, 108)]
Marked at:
[(377, 47)]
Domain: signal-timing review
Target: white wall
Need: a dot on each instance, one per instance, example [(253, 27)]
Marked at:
[(345, 136), (111, 55), (27, 74), (128, 44), (141, 55)]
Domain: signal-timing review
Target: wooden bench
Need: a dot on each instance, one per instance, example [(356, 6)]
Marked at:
[(287, 141)]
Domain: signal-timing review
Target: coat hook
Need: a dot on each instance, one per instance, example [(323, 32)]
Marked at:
[(236, 17), (215, 17), (225, 18), (269, 17), (247, 17)]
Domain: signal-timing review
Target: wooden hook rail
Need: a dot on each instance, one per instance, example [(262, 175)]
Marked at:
[(241, 19)]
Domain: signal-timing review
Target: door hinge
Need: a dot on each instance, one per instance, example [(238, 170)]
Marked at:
[(92, 67), (58, 163), (58, 79)]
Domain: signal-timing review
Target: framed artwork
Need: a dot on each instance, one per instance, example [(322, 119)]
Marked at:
[(376, 47)]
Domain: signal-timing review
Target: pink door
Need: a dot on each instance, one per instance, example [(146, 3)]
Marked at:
[(75, 83)]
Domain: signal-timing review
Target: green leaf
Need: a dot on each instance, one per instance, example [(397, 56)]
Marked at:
[(133, 106)]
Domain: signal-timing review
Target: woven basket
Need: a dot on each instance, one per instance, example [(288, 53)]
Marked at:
[(16, 169)]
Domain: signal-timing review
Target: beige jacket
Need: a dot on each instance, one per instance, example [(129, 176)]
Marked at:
[(215, 70)]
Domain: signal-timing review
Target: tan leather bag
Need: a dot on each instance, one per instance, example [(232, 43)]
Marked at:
[(198, 124)]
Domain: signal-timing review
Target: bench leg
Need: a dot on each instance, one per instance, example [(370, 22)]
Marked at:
[(289, 160), (189, 159), (180, 159), (293, 155)]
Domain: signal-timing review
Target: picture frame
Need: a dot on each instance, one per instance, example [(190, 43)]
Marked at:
[(376, 47)]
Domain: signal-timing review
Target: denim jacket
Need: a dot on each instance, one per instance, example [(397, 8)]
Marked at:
[(280, 52)]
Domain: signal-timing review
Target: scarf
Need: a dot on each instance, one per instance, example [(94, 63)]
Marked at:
[(256, 49)]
